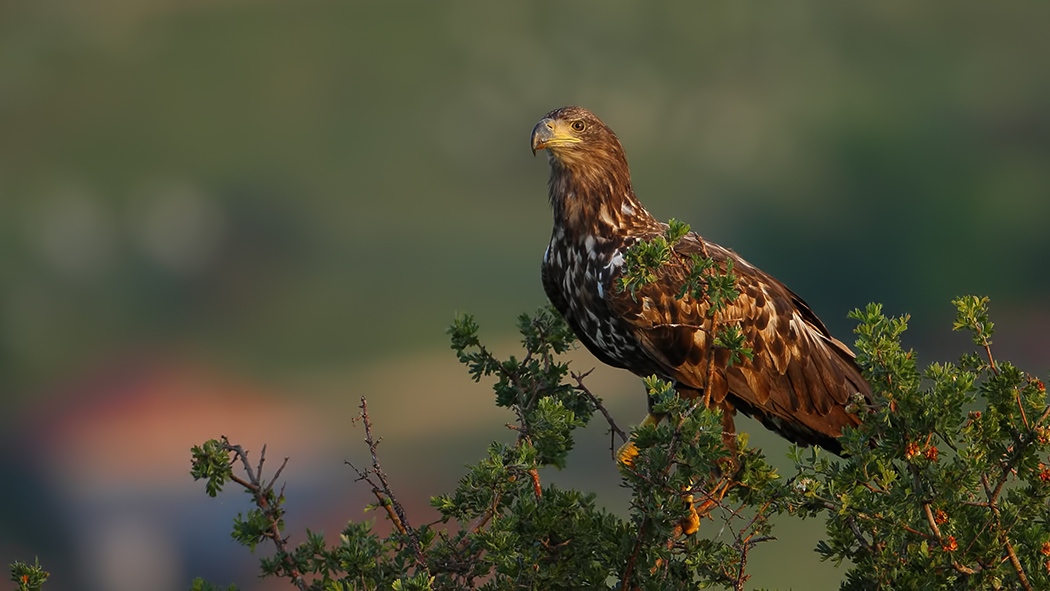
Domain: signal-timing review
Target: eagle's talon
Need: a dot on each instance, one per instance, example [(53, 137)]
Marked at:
[(626, 455), (691, 523)]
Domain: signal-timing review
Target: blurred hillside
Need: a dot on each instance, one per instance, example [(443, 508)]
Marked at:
[(298, 193)]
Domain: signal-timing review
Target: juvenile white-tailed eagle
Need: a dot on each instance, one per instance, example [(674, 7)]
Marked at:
[(800, 378)]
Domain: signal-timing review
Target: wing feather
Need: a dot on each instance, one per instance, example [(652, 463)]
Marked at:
[(799, 378)]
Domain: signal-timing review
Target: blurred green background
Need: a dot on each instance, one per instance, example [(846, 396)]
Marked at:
[(299, 197)]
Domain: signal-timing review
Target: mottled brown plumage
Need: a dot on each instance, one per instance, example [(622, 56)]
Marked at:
[(801, 378)]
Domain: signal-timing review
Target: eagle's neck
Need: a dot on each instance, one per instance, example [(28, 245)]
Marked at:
[(596, 199)]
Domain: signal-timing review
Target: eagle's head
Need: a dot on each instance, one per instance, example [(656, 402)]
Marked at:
[(574, 136)]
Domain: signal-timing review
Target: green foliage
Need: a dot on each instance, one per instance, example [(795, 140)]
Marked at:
[(644, 258), (732, 339), (973, 316), (681, 460), (945, 486), (200, 584), (253, 529), (706, 282), (548, 409), (211, 461), (30, 577), (501, 528), (695, 284)]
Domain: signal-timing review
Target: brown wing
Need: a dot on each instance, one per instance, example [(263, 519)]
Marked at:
[(800, 378)]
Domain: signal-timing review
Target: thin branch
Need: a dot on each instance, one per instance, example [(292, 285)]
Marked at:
[(741, 577), (710, 346), (598, 404), (277, 474), (1017, 566), (1024, 417), (930, 519), (261, 495), (745, 545), (962, 568), (626, 580), (384, 494), (852, 523), (992, 497), (988, 351), (536, 488), (1042, 417)]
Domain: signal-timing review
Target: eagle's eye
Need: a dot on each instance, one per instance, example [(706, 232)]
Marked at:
[(578, 125)]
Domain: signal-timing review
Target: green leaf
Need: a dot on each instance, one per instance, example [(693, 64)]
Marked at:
[(29, 577), (972, 315)]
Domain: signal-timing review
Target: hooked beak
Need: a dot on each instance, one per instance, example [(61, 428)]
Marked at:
[(551, 133), (542, 134)]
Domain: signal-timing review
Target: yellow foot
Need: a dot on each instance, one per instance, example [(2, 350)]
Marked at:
[(626, 454), (691, 523)]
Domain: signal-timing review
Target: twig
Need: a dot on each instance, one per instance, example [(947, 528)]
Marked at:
[(962, 568), (710, 340), (261, 493), (598, 403), (626, 580), (1024, 417), (988, 351), (536, 483), (930, 519), (992, 497), (1043, 416), (745, 545), (852, 523), (710, 346), (384, 494), (1017, 566)]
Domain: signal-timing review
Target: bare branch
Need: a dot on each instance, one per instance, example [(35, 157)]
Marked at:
[(598, 404), (261, 495), (384, 494)]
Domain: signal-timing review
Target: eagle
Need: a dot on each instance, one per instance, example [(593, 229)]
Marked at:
[(798, 381)]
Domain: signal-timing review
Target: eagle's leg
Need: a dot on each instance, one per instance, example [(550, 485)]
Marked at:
[(628, 452), (724, 476)]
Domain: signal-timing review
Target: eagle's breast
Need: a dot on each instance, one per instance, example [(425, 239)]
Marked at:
[(581, 273)]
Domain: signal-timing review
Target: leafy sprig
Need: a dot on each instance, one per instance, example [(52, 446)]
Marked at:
[(946, 484), (29, 577), (644, 258)]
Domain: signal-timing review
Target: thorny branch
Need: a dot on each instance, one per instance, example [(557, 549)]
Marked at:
[(743, 545), (262, 493), (382, 491)]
